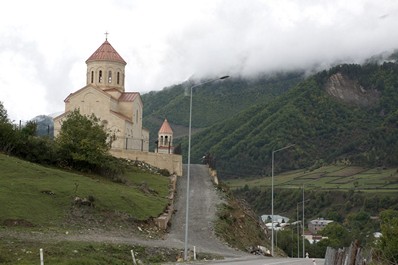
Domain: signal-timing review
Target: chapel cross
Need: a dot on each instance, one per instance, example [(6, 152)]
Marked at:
[(106, 35)]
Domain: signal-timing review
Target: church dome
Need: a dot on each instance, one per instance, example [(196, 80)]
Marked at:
[(106, 69), (106, 53)]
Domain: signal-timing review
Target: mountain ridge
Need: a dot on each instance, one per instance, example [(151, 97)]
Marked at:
[(323, 128)]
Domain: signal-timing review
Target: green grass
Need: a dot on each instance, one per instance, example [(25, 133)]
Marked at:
[(329, 178), (21, 252), (25, 188)]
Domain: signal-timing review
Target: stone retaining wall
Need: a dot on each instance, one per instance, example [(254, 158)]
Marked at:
[(163, 220), (213, 174), (171, 162)]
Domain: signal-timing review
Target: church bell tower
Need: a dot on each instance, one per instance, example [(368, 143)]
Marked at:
[(165, 139)]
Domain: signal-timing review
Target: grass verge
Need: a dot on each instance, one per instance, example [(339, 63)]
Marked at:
[(21, 252)]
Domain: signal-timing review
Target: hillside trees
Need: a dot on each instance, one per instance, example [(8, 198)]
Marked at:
[(83, 144), (32, 148), (214, 102), (337, 234), (323, 128), (7, 137), (387, 246), (21, 141)]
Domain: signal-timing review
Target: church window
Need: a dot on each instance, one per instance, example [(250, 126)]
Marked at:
[(136, 116), (92, 76), (118, 78), (100, 76), (110, 77)]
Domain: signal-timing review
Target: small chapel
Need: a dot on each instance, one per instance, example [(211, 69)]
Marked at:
[(104, 96)]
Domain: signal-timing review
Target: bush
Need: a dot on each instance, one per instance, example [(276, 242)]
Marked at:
[(164, 172), (83, 145), (37, 150)]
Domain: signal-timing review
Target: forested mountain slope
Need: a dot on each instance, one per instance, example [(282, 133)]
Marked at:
[(329, 117), (213, 102)]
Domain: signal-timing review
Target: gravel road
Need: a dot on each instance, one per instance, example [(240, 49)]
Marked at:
[(203, 201)]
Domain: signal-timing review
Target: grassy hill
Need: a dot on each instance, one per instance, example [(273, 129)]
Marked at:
[(33, 195)]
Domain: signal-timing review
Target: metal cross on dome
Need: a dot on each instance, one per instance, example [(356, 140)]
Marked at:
[(106, 35)]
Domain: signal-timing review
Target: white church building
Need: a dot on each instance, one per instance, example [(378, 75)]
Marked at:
[(120, 112), (104, 96)]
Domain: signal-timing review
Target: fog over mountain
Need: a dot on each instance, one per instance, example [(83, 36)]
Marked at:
[(44, 48)]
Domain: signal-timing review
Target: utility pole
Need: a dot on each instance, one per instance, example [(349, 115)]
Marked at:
[(303, 225)]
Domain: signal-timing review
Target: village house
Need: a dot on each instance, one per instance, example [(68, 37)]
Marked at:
[(316, 225)]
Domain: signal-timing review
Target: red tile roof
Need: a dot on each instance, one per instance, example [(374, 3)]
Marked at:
[(128, 96), (106, 53), (166, 128)]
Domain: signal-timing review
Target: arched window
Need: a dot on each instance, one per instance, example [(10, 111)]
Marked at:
[(110, 77), (100, 76), (118, 78), (92, 76)]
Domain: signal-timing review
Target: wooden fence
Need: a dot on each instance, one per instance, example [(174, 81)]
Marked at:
[(353, 255)]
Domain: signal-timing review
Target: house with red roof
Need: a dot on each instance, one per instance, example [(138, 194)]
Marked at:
[(104, 96)]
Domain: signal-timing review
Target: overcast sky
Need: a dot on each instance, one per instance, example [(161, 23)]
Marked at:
[(44, 43)]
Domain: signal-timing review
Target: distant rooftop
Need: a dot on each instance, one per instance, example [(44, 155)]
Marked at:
[(277, 218)]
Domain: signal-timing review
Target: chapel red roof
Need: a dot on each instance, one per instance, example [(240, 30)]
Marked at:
[(165, 128), (106, 53), (128, 96)]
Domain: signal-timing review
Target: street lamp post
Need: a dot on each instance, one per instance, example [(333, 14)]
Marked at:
[(189, 161), (272, 194), (303, 225), (298, 233), (298, 230)]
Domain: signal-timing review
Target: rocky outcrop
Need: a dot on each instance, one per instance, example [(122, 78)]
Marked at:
[(350, 91)]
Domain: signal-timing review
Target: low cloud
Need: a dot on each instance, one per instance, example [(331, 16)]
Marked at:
[(166, 42)]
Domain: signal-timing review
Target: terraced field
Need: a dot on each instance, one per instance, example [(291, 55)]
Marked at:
[(330, 178)]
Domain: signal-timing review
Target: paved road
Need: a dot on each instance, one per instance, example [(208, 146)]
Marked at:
[(271, 261), (262, 261)]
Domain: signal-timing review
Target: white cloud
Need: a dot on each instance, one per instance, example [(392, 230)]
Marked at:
[(44, 43)]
